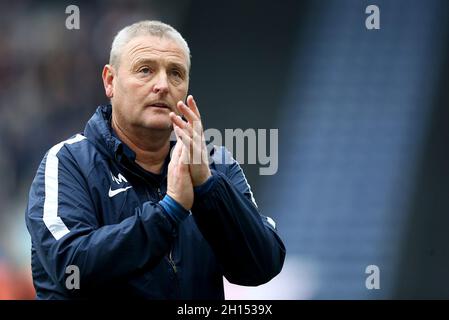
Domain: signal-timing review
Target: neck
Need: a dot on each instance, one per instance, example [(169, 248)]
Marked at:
[(151, 146)]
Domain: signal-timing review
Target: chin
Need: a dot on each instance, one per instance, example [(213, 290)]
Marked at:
[(156, 124), (156, 119)]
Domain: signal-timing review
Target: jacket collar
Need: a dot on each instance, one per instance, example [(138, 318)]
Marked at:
[(99, 131)]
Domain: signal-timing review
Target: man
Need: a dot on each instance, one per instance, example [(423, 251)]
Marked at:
[(136, 220)]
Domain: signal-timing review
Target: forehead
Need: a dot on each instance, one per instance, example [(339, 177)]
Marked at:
[(151, 47)]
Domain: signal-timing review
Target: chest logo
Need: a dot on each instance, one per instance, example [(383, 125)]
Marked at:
[(117, 191), (119, 180)]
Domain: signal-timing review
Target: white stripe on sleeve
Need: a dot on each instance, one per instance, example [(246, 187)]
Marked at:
[(54, 223), (249, 188)]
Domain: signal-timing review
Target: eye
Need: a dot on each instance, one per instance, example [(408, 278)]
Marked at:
[(176, 73), (145, 70)]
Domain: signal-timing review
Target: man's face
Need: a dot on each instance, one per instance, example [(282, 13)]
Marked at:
[(151, 78)]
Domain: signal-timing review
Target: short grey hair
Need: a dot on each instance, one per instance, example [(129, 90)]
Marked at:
[(146, 27)]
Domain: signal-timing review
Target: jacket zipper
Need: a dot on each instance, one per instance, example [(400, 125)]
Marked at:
[(168, 258), (170, 255), (172, 262), (159, 194)]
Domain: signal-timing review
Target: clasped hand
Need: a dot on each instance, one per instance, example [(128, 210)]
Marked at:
[(189, 164)]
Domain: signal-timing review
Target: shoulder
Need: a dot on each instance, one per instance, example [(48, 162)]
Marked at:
[(223, 161), (76, 151), (58, 162), (73, 143)]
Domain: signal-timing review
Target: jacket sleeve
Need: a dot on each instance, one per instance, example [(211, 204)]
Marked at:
[(245, 242), (62, 220)]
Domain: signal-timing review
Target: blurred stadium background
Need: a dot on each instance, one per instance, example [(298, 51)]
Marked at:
[(362, 116)]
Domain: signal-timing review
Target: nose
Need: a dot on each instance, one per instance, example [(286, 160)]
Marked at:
[(161, 85)]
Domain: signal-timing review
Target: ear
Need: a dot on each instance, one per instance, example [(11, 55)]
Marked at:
[(108, 75)]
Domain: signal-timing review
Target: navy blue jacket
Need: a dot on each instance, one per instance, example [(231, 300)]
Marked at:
[(91, 206)]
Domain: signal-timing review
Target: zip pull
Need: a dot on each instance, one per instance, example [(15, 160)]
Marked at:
[(159, 193), (172, 262)]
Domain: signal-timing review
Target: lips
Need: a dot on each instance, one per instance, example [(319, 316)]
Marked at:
[(159, 105)]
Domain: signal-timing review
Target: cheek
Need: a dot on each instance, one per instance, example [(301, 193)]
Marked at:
[(118, 90), (130, 90), (181, 91), (138, 88)]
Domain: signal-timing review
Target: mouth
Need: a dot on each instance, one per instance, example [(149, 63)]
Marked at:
[(161, 105)]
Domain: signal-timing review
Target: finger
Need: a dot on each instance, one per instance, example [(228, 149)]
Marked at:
[(196, 128), (192, 104), (187, 112), (184, 156), (194, 123), (187, 129), (185, 147), (199, 148), (185, 139), (181, 123), (196, 148), (177, 119)]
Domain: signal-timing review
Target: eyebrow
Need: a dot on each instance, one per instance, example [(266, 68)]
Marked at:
[(179, 66), (152, 61)]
